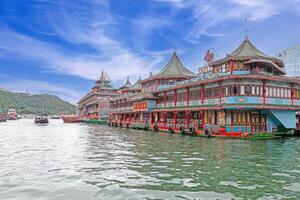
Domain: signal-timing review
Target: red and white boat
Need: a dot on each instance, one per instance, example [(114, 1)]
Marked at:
[(70, 118), (3, 117)]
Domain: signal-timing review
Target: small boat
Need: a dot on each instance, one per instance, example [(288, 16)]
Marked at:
[(70, 118), (41, 119), (3, 117), (12, 114)]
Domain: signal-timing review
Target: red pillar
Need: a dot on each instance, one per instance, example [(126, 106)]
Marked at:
[(292, 93), (187, 113), (165, 119), (165, 98), (175, 97), (202, 94), (264, 91), (175, 119), (187, 96), (155, 84), (203, 117), (231, 67)]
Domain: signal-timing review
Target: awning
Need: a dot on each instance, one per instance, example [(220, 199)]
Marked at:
[(286, 117)]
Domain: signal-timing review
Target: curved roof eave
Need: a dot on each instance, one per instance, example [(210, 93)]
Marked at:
[(266, 61)]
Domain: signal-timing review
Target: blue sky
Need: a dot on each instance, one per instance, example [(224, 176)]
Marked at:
[(60, 47)]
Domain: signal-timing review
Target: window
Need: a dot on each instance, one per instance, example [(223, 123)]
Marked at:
[(160, 99), (223, 68), (241, 117), (248, 90), (170, 98), (242, 90), (289, 93), (253, 90), (181, 96), (216, 92)]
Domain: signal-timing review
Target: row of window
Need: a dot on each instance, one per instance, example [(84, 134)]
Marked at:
[(232, 90), (248, 118), (122, 104)]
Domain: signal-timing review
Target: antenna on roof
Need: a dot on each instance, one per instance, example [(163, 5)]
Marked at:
[(246, 28)]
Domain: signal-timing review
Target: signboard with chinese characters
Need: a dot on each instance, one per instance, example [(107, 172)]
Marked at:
[(146, 106)]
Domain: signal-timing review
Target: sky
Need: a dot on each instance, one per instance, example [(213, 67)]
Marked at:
[(61, 47)]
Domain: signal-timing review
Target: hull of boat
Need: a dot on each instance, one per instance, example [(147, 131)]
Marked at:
[(70, 119), (12, 118), (41, 121), (98, 122)]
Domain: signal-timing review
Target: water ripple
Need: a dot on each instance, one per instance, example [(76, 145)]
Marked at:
[(78, 161)]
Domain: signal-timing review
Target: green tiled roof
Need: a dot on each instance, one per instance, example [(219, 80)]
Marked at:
[(174, 68), (247, 49), (127, 84), (136, 85)]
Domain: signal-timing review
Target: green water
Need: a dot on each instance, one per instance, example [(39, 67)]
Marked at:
[(79, 161)]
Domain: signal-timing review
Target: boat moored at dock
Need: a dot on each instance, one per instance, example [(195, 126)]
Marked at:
[(70, 118), (3, 117)]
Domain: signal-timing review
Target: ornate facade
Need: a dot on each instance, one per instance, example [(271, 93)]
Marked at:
[(244, 94), (95, 104)]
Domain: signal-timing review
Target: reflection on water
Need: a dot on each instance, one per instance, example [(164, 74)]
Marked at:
[(77, 161)]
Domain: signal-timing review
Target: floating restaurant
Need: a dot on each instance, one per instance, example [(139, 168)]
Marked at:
[(94, 106), (243, 95)]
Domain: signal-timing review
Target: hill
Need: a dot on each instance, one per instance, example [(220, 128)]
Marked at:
[(33, 104)]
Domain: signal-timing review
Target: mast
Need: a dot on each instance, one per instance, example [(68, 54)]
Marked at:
[(246, 28)]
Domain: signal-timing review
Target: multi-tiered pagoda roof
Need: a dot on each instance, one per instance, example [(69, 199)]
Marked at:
[(248, 53), (174, 69)]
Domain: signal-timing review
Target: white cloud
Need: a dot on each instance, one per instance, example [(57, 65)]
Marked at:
[(79, 25), (83, 65), (212, 14)]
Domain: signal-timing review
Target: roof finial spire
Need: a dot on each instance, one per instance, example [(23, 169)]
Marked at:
[(246, 28)]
